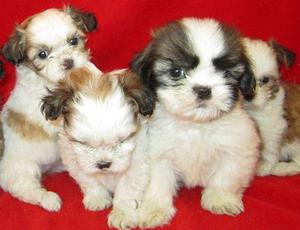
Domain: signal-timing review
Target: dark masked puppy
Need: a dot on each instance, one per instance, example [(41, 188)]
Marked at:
[(275, 108), (98, 139), (198, 133), (43, 47)]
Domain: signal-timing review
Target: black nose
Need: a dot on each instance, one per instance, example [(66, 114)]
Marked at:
[(202, 92), (103, 164), (68, 64)]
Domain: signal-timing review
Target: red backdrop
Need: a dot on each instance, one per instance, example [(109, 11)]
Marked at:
[(124, 26)]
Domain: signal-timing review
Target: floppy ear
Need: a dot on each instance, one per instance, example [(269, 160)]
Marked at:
[(1, 70), (284, 56), (14, 49), (247, 83), (55, 103), (86, 21), (143, 98), (142, 66)]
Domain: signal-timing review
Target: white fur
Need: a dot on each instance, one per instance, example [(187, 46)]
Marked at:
[(214, 146), (104, 130), (24, 160), (268, 112)]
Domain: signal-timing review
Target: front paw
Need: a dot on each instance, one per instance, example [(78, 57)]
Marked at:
[(96, 202), (152, 216), (264, 168), (123, 219), (221, 202), (51, 201)]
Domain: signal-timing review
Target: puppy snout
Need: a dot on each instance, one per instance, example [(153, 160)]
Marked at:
[(68, 64), (202, 92), (103, 164)]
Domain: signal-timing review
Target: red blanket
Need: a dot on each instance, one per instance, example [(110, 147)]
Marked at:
[(124, 28)]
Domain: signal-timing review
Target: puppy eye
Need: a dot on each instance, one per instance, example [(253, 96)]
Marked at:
[(177, 72), (265, 80), (43, 54), (74, 41)]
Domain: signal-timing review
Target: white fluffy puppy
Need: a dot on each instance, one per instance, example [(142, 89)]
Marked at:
[(100, 123), (44, 47), (198, 134), (268, 105)]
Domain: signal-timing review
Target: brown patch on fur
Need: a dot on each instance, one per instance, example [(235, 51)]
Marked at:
[(284, 55), (25, 128), (292, 111)]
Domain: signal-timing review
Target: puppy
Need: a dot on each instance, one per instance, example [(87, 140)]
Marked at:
[(198, 133), (100, 123), (272, 108), (43, 48)]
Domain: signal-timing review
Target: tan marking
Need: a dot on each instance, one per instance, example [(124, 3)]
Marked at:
[(26, 129), (292, 111)]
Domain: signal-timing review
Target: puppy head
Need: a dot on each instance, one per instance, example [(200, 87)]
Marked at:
[(196, 68), (51, 42), (100, 116), (266, 58)]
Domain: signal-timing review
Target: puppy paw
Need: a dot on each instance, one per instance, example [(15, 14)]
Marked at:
[(96, 202), (152, 216), (221, 203), (123, 219), (51, 201), (264, 168)]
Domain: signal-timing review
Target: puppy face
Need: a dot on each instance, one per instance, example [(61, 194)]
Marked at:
[(196, 67), (266, 59), (100, 117), (51, 42)]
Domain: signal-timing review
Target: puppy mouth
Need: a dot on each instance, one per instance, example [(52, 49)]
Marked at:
[(202, 105)]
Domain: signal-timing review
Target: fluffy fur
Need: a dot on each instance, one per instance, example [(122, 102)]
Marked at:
[(274, 108), (100, 114), (198, 133), (43, 48)]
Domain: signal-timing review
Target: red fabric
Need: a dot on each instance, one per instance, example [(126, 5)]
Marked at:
[(124, 28)]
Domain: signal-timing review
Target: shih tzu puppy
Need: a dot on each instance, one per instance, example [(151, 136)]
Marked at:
[(274, 108), (43, 47), (198, 133), (100, 125)]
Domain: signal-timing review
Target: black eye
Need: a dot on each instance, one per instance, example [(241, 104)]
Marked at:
[(43, 54), (74, 41), (265, 80), (177, 72)]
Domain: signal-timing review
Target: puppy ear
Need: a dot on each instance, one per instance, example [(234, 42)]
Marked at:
[(1, 70), (14, 49), (142, 66), (248, 83), (284, 56), (86, 21), (55, 103), (142, 98)]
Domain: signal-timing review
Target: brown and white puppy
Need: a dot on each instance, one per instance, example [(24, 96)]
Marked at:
[(98, 138), (274, 108), (198, 133), (43, 47)]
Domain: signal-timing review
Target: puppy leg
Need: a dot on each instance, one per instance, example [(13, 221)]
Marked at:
[(129, 194), (157, 207), (21, 178), (96, 198), (290, 157), (271, 147), (223, 193)]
